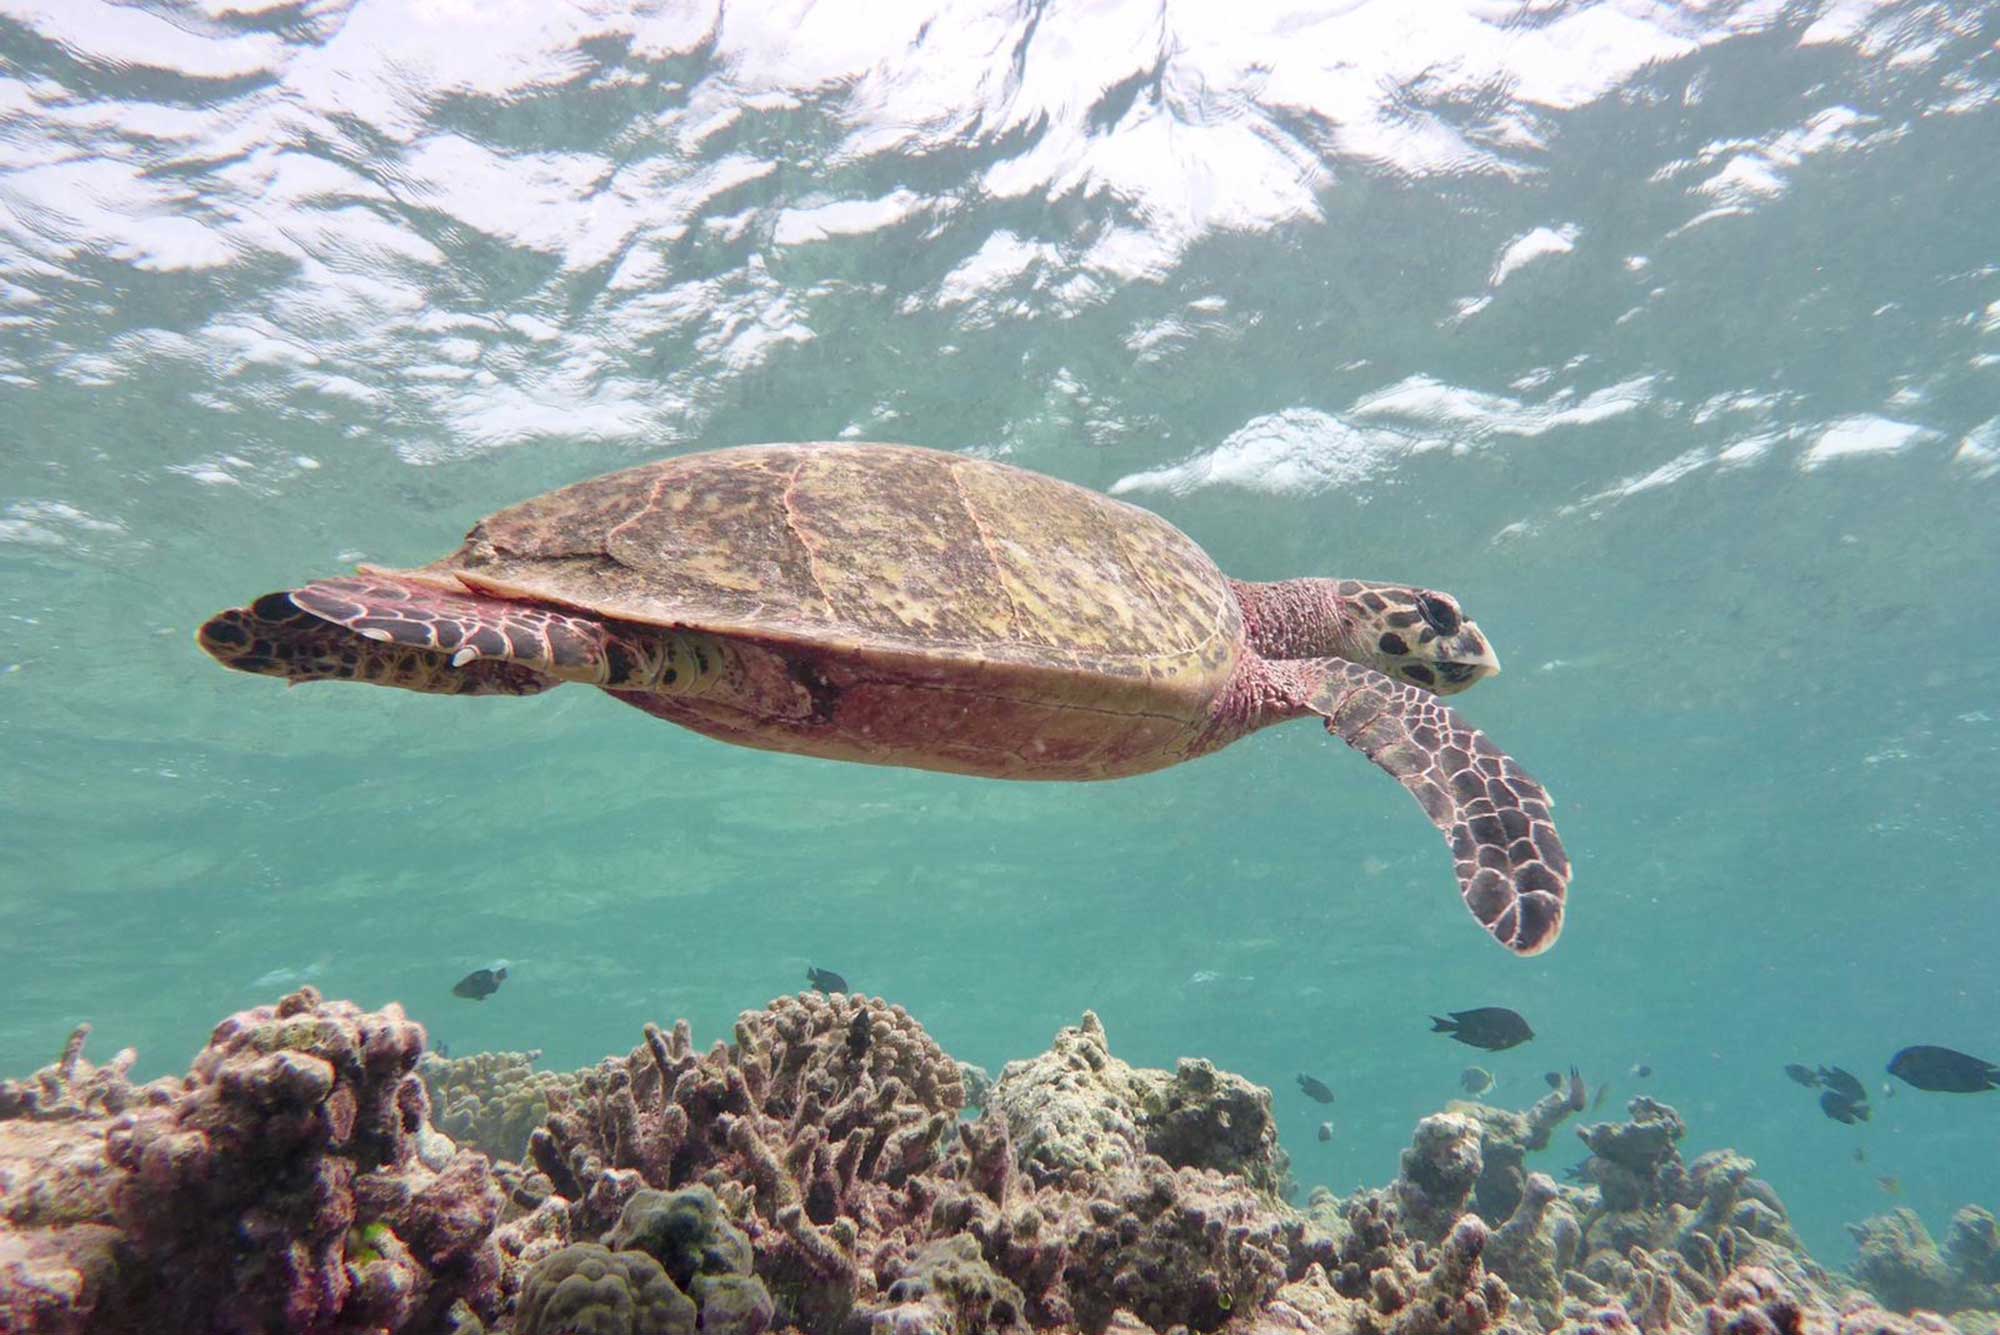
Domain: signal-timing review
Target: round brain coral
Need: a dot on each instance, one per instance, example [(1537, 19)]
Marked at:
[(586, 1289)]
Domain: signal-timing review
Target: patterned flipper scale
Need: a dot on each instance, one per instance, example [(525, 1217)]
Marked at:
[(465, 627), (275, 637), (1512, 870)]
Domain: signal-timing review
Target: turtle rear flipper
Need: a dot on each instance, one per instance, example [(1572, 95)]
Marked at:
[(1512, 870), (390, 633), (464, 627)]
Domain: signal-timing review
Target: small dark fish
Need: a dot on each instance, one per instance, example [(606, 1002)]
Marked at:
[(859, 1036), (1890, 1183), (1553, 1079), (1597, 1099), (826, 980), (1802, 1073), (1314, 1089), (1641, 1071), (1843, 1084), (480, 983), (1494, 1028), (441, 1048), (1325, 1132), (1860, 1155), (1475, 1080), (1575, 1090), (1842, 1110), (1943, 1070), (1580, 1170)]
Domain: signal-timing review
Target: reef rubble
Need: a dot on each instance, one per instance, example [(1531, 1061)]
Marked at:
[(316, 1171)]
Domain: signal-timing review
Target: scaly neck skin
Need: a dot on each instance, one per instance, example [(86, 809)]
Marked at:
[(1297, 618)]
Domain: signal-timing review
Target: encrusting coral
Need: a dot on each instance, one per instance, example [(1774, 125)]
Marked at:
[(816, 1175)]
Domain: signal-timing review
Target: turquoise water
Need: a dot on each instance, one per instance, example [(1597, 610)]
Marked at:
[(1668, 339)]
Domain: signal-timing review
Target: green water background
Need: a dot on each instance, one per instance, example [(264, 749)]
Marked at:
[(1714, 464)]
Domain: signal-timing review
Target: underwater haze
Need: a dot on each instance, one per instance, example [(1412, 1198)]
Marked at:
[(1665, 337)]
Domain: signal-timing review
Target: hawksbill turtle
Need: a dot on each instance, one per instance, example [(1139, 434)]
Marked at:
[(903, 606)]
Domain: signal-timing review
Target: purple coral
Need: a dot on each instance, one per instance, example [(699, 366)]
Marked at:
[(283, 1187)]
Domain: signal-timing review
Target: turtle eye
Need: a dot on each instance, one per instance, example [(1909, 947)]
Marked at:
[(1438, 613)]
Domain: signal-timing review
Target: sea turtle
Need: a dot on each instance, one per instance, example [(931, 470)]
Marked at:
[(903, 606)]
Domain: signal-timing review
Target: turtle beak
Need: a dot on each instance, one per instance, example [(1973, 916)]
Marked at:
[(1469, 660)]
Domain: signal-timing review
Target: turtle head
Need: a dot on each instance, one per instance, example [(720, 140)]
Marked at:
[(1419, 636)]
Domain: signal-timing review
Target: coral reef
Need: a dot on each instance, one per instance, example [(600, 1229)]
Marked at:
[(814, 1130), (826, 1133), (58, 1247), (1904, 1267), (1654, 1239), (1439, 1172), (585, 1289), (1506, 1138), (949, 1286), (709, 1258), (490, 1101), (1077, 1106), (978, 1083), (284, 1185), (280, 1185), (816, 1175)]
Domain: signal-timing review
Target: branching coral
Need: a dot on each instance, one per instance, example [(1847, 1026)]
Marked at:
[(1506, 1138), (826, 1132), (814, 1129)]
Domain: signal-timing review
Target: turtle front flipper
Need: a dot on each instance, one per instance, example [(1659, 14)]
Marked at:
[(1512, 870)]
